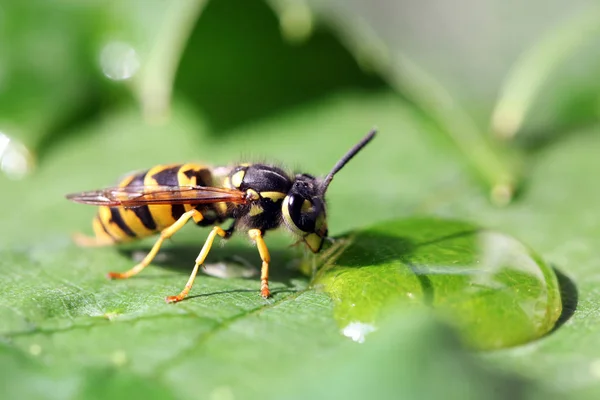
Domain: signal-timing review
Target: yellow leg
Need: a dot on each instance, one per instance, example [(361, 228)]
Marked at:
[(256, 235), (165, 234), (199, 261)]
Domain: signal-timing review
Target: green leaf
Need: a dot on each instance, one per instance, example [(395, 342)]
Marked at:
[(63, 315), (64, 62), (68, 333), (395, 361), (46, 81), (147, 40), (236, 75), (29, 380)]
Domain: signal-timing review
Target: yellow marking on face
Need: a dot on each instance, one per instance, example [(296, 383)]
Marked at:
[(245, 164), (252, 194), (238, 178), (306, 206), (273, 196), (255, 210), (227, 183), (313, 242)]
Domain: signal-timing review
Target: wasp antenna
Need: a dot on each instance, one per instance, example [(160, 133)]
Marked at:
[(347, 157)]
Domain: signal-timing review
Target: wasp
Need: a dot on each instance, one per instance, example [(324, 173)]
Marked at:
[(256, 197)]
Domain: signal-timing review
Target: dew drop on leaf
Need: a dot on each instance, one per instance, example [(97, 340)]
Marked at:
[(357, 331), (487, 284), (119, 61), (15, 159)]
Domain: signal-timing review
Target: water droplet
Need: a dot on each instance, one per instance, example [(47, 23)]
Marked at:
[(119, 61), (110, 315), (15, 160), (357, 331), (488, 285)]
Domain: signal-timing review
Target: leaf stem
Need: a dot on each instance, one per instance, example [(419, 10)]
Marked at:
[(496, 166), (155, 82), (527, 76)]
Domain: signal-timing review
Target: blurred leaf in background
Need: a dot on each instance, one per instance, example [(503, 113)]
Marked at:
[(235, 77), (91, 90)]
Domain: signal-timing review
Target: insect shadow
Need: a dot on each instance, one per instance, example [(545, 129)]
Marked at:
[(180, 257)]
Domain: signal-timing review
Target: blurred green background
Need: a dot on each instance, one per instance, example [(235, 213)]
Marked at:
[(487, 112)]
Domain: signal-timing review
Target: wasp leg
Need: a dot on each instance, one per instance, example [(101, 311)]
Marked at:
[(199, 261), (257, 236), (165, 234)]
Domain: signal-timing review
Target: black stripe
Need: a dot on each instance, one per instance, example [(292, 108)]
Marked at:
[(167, 177), (264, 178), (115, 217), (145, 217), (177, 211), (106, 230), (203, 176), (138, 180), (142, 212)]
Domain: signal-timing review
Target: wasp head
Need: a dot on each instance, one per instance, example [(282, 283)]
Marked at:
[(303, 211), (303, 208)]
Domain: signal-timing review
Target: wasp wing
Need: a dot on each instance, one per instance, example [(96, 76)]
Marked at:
[(136, 196)]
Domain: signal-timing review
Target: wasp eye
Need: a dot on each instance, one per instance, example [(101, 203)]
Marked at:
[(294, 208), (301, 213)]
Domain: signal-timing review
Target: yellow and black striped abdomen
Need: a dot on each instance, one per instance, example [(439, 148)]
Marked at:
[(122, 225)]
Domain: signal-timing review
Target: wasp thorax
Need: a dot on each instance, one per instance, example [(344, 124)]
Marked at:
[(265, 186), (303, 211)]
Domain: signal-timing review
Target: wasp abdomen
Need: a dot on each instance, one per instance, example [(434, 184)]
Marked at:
[(120, 224)]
